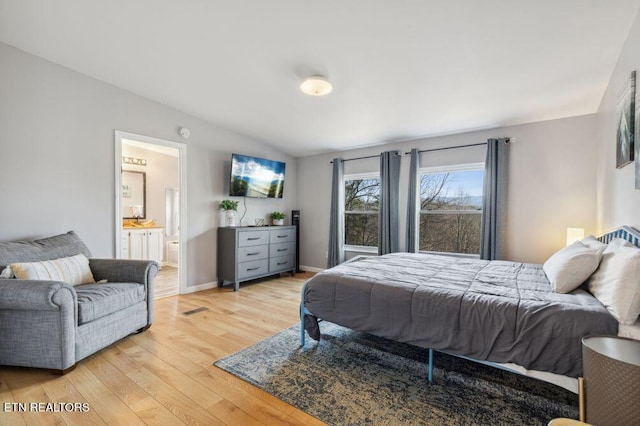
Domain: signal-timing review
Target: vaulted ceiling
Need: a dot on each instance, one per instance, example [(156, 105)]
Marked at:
[(400, 69)]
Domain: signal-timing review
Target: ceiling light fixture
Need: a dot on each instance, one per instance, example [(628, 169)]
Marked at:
[(316, 86)]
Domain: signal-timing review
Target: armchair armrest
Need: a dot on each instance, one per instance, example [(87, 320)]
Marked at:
[(38, 321), (36, 295), (124, 270)]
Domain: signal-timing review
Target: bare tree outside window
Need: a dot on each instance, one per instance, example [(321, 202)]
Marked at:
[(451, 211), (361, 205)]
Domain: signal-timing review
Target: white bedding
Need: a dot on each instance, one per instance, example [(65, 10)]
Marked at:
[(631, 331)]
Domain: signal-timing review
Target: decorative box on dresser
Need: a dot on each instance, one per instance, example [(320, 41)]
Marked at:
[(247, 253)]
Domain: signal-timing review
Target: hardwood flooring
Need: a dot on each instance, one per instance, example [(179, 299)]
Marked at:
[(165, 376), (167, 282)]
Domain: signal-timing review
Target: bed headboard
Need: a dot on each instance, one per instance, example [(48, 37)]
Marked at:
[(624, 232)]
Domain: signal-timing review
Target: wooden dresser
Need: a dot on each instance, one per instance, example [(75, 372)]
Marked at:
[(247, 253)]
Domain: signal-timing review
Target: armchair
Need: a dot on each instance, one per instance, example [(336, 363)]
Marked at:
[(52, 324)]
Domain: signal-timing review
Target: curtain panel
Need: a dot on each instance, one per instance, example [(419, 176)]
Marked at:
[(494, 200), (336, 215), (388, 238), (413, 203)]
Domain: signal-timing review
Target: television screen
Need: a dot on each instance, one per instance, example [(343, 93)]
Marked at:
[(256, 177)]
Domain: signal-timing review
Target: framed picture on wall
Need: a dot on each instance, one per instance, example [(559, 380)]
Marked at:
[(625, 117)]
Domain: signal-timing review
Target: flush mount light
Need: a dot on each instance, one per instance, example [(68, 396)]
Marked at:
[(316, 86)]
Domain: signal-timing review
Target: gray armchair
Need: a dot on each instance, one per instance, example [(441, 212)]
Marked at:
[(53, 325)]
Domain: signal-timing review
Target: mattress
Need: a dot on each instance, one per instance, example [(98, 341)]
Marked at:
[(496, 311)]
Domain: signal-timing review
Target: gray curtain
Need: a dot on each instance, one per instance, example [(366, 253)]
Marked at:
[(494, 199), (336, 218), (413, 202), (388, 240)]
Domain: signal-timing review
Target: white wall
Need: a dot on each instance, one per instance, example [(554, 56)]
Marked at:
[(552, 182), (618, 203), (57, 152)]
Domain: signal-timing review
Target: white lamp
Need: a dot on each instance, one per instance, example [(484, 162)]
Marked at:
[(574, 234), (316, 86)]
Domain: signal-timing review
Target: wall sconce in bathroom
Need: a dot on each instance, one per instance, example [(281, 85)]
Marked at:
[(134, 161)]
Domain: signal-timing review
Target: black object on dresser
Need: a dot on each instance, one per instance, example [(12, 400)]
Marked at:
[(295, 221), (247, 253)]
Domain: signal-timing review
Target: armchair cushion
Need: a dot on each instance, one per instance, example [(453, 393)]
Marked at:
[(99, 300)]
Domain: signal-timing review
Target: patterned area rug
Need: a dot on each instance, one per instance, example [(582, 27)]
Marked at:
[(353, 378)]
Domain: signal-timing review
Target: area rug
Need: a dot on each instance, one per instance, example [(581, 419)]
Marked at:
[(353, 378)]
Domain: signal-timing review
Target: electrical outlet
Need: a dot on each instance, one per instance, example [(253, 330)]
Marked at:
[(326, 254)]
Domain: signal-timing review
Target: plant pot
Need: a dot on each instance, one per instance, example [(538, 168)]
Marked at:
[(277, 222), (229, 218)]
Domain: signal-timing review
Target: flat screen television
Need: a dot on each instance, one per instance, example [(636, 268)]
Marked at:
[(256, 177)]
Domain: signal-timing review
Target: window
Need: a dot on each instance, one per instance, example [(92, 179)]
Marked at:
[(451, 209), (361, 202)]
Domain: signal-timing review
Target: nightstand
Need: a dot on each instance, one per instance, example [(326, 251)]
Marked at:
[(611, 368)]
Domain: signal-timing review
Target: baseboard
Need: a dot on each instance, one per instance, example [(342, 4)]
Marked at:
[(311, 269), (200, 287)]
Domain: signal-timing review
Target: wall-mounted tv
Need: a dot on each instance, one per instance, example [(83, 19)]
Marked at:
[(256, 177)]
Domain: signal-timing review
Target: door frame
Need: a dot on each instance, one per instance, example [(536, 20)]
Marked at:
[(119, 136)]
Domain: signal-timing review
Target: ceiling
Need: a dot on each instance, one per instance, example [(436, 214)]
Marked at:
[(400, 69)]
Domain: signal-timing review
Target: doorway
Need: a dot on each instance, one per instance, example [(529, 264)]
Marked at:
[(151, 208)]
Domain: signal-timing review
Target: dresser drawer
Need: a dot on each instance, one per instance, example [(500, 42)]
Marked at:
[(282, 235), (253, 268), (252, 238), (246, 254), (282, 249), (284, 263)]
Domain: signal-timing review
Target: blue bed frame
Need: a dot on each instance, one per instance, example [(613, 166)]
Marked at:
[(625, 232)]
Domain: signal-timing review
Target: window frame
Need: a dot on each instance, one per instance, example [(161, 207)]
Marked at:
[(358, 176), (465, 167)]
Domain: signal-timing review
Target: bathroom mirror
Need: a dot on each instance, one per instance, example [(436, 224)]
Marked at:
[(134, 194)]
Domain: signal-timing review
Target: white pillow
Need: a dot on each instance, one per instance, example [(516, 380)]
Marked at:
[(616, 283), (73, 270), (592, 242), (571, 266)]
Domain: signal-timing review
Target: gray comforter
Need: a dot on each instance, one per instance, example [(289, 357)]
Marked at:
[(495, 311)]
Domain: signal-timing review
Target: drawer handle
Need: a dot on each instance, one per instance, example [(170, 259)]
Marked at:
[(253, 238), (282, 249), (253, 254), (282, 236), (253, 269), (281, 263)]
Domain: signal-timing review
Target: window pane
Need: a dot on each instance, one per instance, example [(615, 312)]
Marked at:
[(361, 195), (450, 233), (361, 229), (451, 190), (455, 198), (361, 202)]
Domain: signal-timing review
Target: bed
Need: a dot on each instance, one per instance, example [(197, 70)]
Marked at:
[(500, 313)]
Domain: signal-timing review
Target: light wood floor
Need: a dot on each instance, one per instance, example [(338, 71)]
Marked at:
[(165, 375), (166, 282)]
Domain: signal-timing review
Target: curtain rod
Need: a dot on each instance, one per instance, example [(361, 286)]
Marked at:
[(363, 158), (449, 147), (507, 140)]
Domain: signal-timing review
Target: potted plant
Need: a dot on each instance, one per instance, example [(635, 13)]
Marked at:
[(277, 218), (229, 208)]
